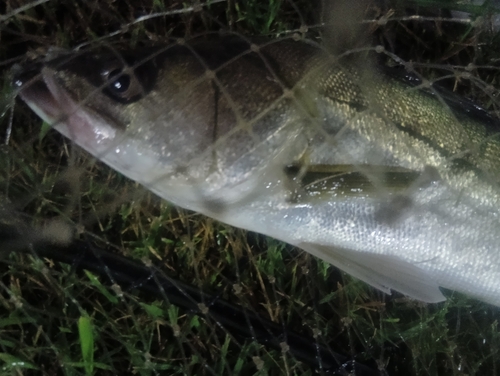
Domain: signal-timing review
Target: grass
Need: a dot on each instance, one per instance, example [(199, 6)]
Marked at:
[(56, 320)]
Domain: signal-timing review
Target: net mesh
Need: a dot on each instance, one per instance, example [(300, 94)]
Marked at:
[(100, 276)]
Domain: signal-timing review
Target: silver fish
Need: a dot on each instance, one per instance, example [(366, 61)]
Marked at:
[(393, 184)]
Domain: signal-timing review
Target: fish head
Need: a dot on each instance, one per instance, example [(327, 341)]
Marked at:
[(185, 120), (146, 113)]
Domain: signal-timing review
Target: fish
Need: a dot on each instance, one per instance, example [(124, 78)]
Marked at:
[(380, 174)]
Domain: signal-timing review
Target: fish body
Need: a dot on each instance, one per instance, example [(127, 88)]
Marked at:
[(393, 184)]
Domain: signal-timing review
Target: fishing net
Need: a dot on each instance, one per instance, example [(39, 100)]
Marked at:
[(100, 276)]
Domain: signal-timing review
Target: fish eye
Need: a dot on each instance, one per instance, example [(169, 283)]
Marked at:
[(122, 85)]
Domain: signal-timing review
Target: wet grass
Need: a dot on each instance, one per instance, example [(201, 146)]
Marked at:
[(56, 320)]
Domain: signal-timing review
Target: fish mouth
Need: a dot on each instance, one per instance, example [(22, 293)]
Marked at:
[(55, 105), (39, 99)]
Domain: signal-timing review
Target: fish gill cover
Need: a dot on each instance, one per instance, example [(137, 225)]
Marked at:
[(100, 276)]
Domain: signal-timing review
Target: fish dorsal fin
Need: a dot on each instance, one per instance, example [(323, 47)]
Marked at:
[(381, 271)]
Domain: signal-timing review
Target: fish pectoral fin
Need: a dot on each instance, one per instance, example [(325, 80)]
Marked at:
[(352, 180), (380, 271)]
